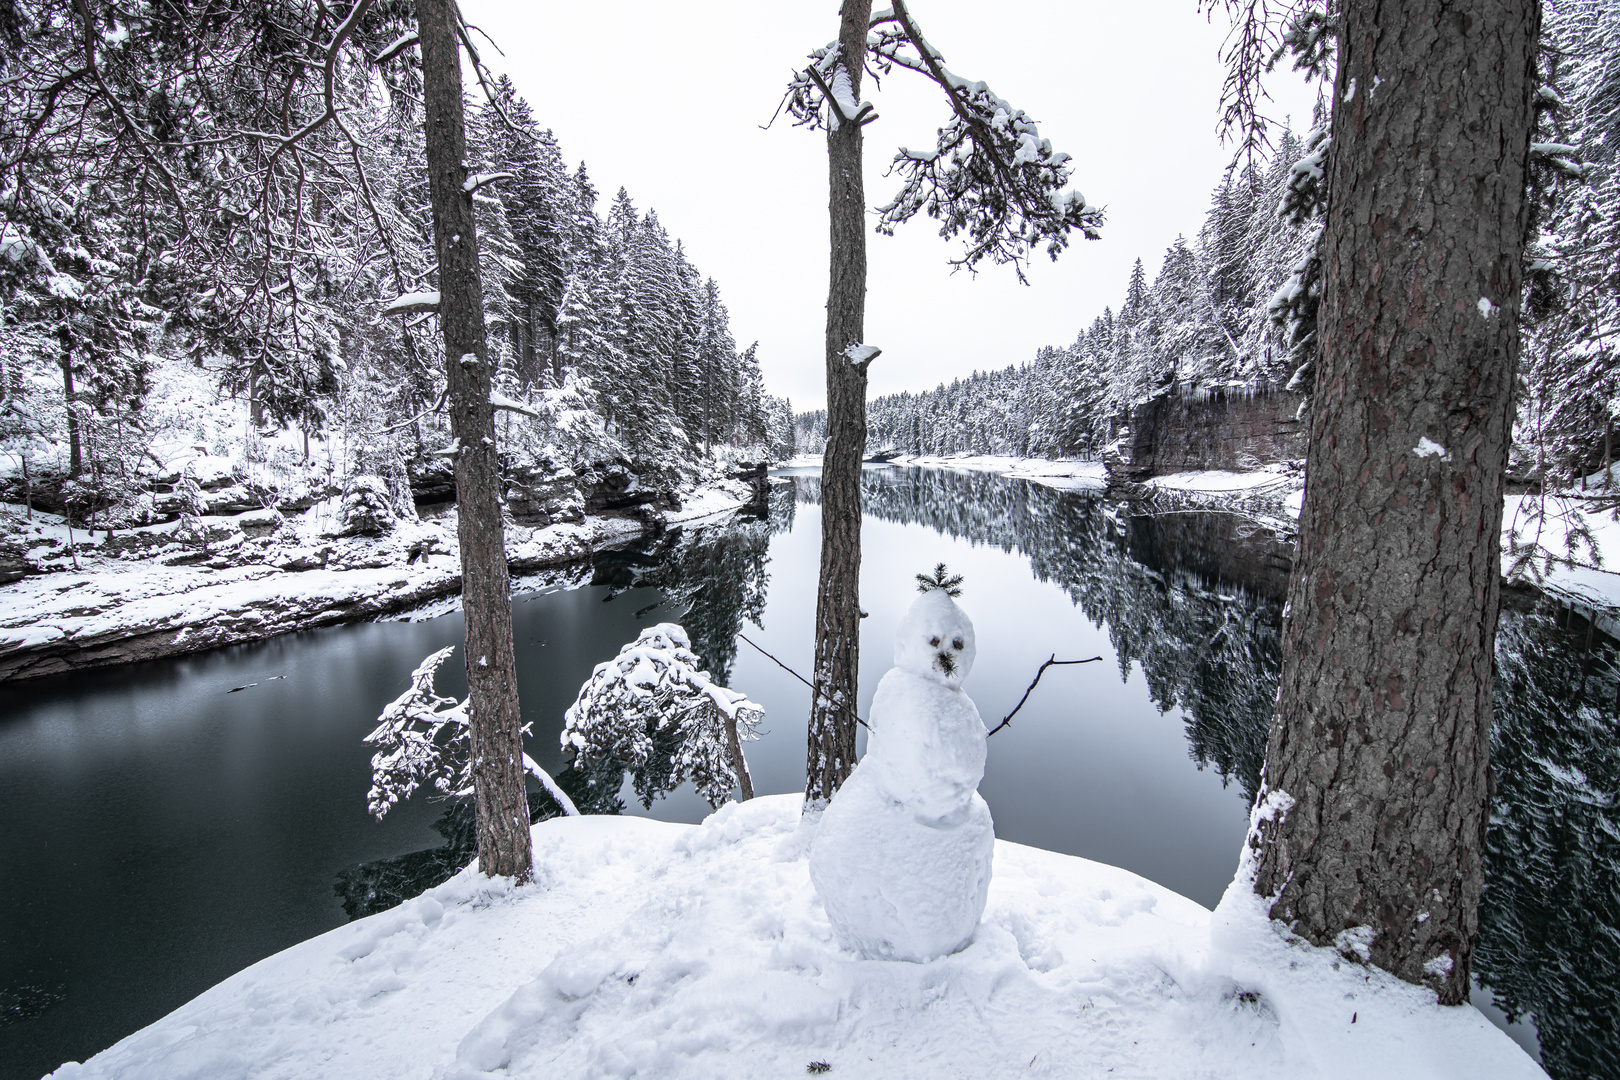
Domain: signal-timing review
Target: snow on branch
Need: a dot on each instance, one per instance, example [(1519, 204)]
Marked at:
[(501, 401), (413, 735), (652, 699), (825, 82), (423, 739), (395, 47), (478, 180), (857, 353), (989, 176), (412, 302)]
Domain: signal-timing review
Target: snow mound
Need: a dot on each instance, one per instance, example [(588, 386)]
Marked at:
[(655, 950)]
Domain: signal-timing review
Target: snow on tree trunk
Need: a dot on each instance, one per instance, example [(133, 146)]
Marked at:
[(654, 699), (1376, 782), (831, 751), (497, 741)]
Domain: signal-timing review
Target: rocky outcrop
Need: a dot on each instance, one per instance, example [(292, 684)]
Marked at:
[(619, 492), (1232, 428), (538, 497)]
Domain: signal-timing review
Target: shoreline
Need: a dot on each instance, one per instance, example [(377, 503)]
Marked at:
[(146, 597), (268, 575)]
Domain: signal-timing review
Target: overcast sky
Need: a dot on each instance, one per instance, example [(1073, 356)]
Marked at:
[(668, 99)]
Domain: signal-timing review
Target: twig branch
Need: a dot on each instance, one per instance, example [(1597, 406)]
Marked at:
[(1052, 661), (802, 679)]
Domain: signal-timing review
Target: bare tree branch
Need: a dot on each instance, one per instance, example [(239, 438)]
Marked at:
[(1052, 661)]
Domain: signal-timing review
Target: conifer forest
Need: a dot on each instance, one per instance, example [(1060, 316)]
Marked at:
[(1232, 310), (231, 222), (432, 644)]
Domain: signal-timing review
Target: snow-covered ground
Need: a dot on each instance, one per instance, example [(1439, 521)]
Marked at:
[(1591, 581), (657, 950), (1067, 475), (262, 575)]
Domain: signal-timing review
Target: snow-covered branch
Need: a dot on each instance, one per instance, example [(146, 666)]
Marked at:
[(478, 180), (501, 401), (411, 303), (990, 175), (422, 739)]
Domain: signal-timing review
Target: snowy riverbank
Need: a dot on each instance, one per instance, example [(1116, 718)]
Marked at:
[(147, 594), (1274, 496), (659, 950)]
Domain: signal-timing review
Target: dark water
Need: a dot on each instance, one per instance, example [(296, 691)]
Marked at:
[(160, 833)]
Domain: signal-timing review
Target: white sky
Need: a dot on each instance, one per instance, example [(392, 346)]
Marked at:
[(667, 100)]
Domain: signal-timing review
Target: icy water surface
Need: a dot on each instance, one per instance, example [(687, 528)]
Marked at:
[(161, 832)]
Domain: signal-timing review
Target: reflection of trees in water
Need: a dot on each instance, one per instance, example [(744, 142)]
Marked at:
[(1550, 917), (1195, 599)]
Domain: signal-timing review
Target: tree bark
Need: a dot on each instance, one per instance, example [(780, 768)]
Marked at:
[(71, 396), (831, 752), (1373, 811), (486, 599), (739, 762)]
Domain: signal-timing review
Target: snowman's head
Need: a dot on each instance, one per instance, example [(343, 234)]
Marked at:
[(935, 639)]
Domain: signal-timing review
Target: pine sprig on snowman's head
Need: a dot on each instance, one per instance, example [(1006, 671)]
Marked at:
[(942, 579)]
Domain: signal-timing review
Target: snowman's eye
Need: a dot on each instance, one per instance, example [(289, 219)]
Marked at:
[(956, 643), (934, 641)]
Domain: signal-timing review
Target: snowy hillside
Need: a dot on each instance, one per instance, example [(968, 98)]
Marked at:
[(657, 950)]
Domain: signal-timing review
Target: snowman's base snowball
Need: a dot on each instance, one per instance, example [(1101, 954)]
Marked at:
[(896, 887)]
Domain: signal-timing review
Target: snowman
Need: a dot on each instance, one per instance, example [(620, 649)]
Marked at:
[(901, 856)]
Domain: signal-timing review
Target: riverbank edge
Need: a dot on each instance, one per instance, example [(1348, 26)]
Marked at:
[(107, 612), (1273, 498)]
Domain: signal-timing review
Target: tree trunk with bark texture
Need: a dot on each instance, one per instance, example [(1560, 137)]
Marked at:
[(831, 751), (71, 397), (486, 599), (1375, 802)]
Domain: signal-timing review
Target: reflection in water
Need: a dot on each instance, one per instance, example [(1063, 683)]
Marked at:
[(1194, 599), (1550, 917)]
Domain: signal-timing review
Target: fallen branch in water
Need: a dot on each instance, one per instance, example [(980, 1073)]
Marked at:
[(1052, 661), (802, 679)]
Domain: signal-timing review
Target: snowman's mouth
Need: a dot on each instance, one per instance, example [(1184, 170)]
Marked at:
[(946, 663)]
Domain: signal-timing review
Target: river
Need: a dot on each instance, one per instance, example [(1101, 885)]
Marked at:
[(167, 824)]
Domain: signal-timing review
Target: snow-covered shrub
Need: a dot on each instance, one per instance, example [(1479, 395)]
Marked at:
[(423, 738), (653, 709), (367, 508)]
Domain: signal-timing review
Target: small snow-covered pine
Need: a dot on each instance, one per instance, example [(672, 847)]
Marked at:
[(653, 705)]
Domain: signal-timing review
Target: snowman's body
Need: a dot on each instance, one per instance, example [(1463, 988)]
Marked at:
[(901, 857)]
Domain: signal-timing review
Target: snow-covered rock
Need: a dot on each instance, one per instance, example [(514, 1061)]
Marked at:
[(901, 856), (674, 951)]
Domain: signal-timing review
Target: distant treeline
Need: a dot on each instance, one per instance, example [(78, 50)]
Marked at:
[(1233, 308)]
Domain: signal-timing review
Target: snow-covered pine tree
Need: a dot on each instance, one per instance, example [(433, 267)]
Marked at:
[(654, 711)]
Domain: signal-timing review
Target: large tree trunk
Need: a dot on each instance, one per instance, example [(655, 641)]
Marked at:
[(831, 751), (1374, 806), (486, 599)]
